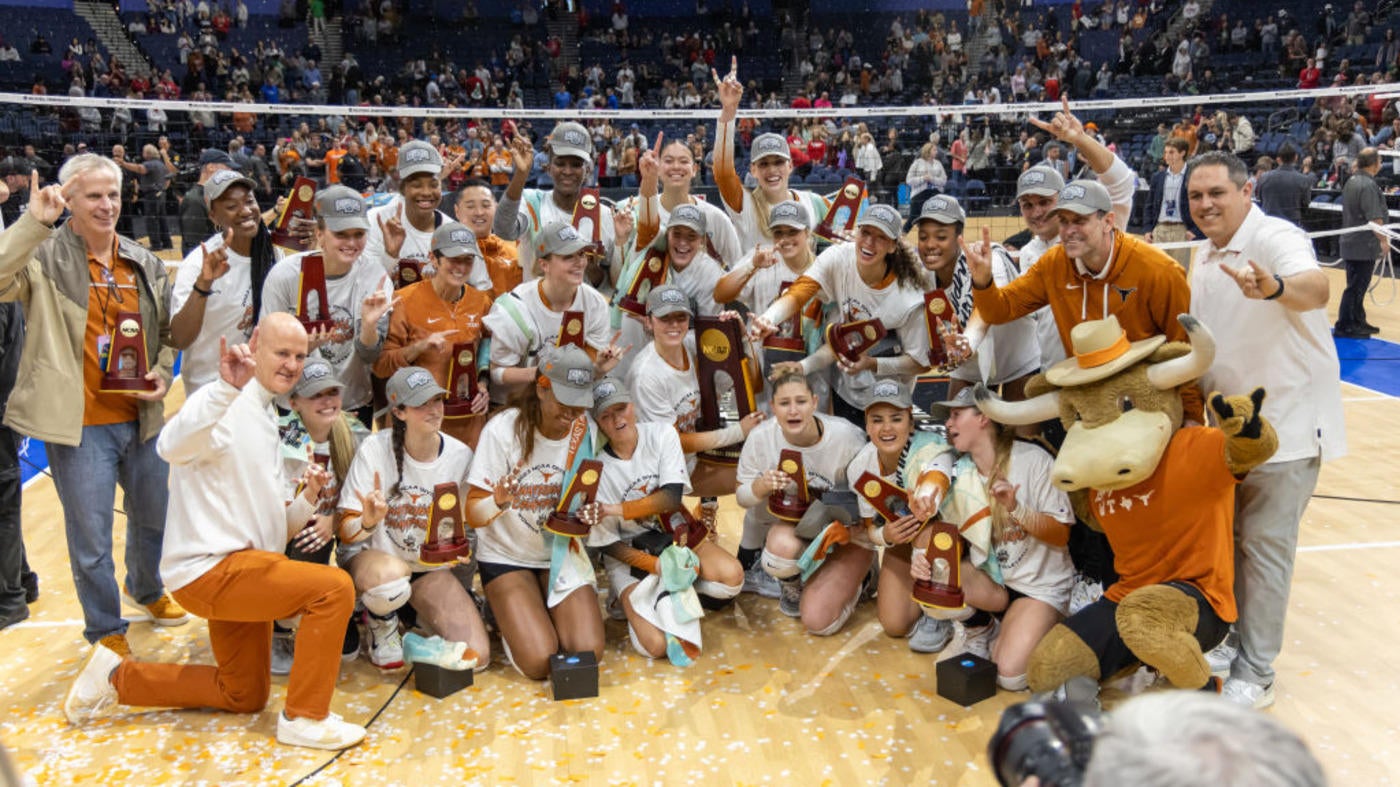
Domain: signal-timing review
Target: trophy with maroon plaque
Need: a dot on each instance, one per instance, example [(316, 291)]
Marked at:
[(650, 275), (685, 529), (589, 209), (888, 500), (409, 271), (722, 352), (787, 343), (571, 330), (461, 380), (313, 305), (944, 589), (941, 318), (564, 520), (840, 219), (793, 500), (127, 363), (299, 205), (446, 515), (852, 339)]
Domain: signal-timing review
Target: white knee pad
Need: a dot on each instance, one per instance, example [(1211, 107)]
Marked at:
[(779, 567), (383, 599), (1014, 683), (839, 621), (717, 590)]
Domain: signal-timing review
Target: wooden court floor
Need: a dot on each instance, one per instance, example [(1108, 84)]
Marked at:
[(764, 704)]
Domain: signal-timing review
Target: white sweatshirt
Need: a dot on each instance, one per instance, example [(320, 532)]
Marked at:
[(226, 485)]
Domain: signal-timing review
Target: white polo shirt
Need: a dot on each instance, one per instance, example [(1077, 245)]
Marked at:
[(1263, 343)]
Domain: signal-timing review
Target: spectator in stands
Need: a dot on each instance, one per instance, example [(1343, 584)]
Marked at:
[(1310, 77), (40, 45), (868, 160), (195, 225), (1285, 192), (8, 53), (926, 177), (156, 172)]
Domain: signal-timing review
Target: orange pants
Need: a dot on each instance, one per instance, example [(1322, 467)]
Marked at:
[(240, 597)]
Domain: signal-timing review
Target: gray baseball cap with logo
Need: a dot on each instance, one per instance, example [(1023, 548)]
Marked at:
[(342, 208), (454, 239), (943, 209), (770, 144), (222, 181), (883, 218), (316, 376), (666, 300), (570, 374), (571, 139), (418, 156), (558, 237), (412, 386), (1040, 181), (891, 392), (1084, 197), (788, 214), (607, 392), (687, 216)]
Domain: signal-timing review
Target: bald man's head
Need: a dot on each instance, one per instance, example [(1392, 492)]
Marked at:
[(279, 348)]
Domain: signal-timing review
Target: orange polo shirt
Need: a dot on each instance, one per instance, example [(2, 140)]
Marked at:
[(112, 291)]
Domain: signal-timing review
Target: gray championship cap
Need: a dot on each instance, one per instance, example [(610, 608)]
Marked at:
[(316, 376), (943, 209), (608, 392), (570, 374), (1084, 197), (666, 300), (342, 208), (1040, 181), (964, 398), (418, 156), (411, 386), (788, 214), (571, 139), (769, 144), (557, 237), (687, 216), (454, 239), (891, 392), (222, 181), (883, 218)]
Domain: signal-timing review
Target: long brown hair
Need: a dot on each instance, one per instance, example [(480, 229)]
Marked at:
[(342, 446), (1004, 439), (527, 401)]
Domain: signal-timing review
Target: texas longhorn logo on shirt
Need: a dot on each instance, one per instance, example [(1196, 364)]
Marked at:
[(406, 523)]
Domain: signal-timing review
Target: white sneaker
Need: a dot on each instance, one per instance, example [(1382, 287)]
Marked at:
[(978, 640), (1221, 657), (331, 733), (1248, 693), (760, 582), (92, 691), (930, 635), (790, 603), (385, 643), (283, 645)]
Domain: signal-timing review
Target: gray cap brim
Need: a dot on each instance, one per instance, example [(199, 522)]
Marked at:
[(342, 224), (572, 396), (218, 191)]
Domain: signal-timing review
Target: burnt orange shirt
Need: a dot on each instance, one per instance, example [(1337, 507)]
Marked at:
[(502, 264), (422, 312), (1178, 524), (333, 157), (112, 291)]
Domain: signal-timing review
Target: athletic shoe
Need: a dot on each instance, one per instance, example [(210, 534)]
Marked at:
[(283, 645), (350, 646), (30, 582), (1221, 657), (443, 653), (117, 644), (331, 733), (1083, 592), (760, 582), (790, 603), (385, 644), (162, 612), (709, 519), (930, 635), (92, 691), (1082, 689), (978, 640), (870, 586), (1248, 693)]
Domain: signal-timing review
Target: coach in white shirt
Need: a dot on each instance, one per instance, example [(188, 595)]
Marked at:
[(1257, 286)]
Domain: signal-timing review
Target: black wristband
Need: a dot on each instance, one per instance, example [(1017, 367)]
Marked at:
[(1277, 292), (205, 293)]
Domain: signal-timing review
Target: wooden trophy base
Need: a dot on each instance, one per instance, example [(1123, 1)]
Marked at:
[(444, 552), (126, 384), (938, 596), (317, 325), (566, 525), (788, 509), (686, 530), (727, 456), (632, 306), (458, 408)]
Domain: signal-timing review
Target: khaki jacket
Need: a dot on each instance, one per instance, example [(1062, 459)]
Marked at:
[(46, 270)]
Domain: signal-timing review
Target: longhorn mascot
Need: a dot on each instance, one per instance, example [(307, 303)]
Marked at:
[(1163, 493)]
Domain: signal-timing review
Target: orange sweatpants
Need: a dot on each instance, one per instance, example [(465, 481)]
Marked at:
[(240, 597)]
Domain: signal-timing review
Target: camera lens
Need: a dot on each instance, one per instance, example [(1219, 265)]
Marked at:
[(1051, 741)]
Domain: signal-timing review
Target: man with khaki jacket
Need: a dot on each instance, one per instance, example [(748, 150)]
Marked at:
[(73, 281)]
